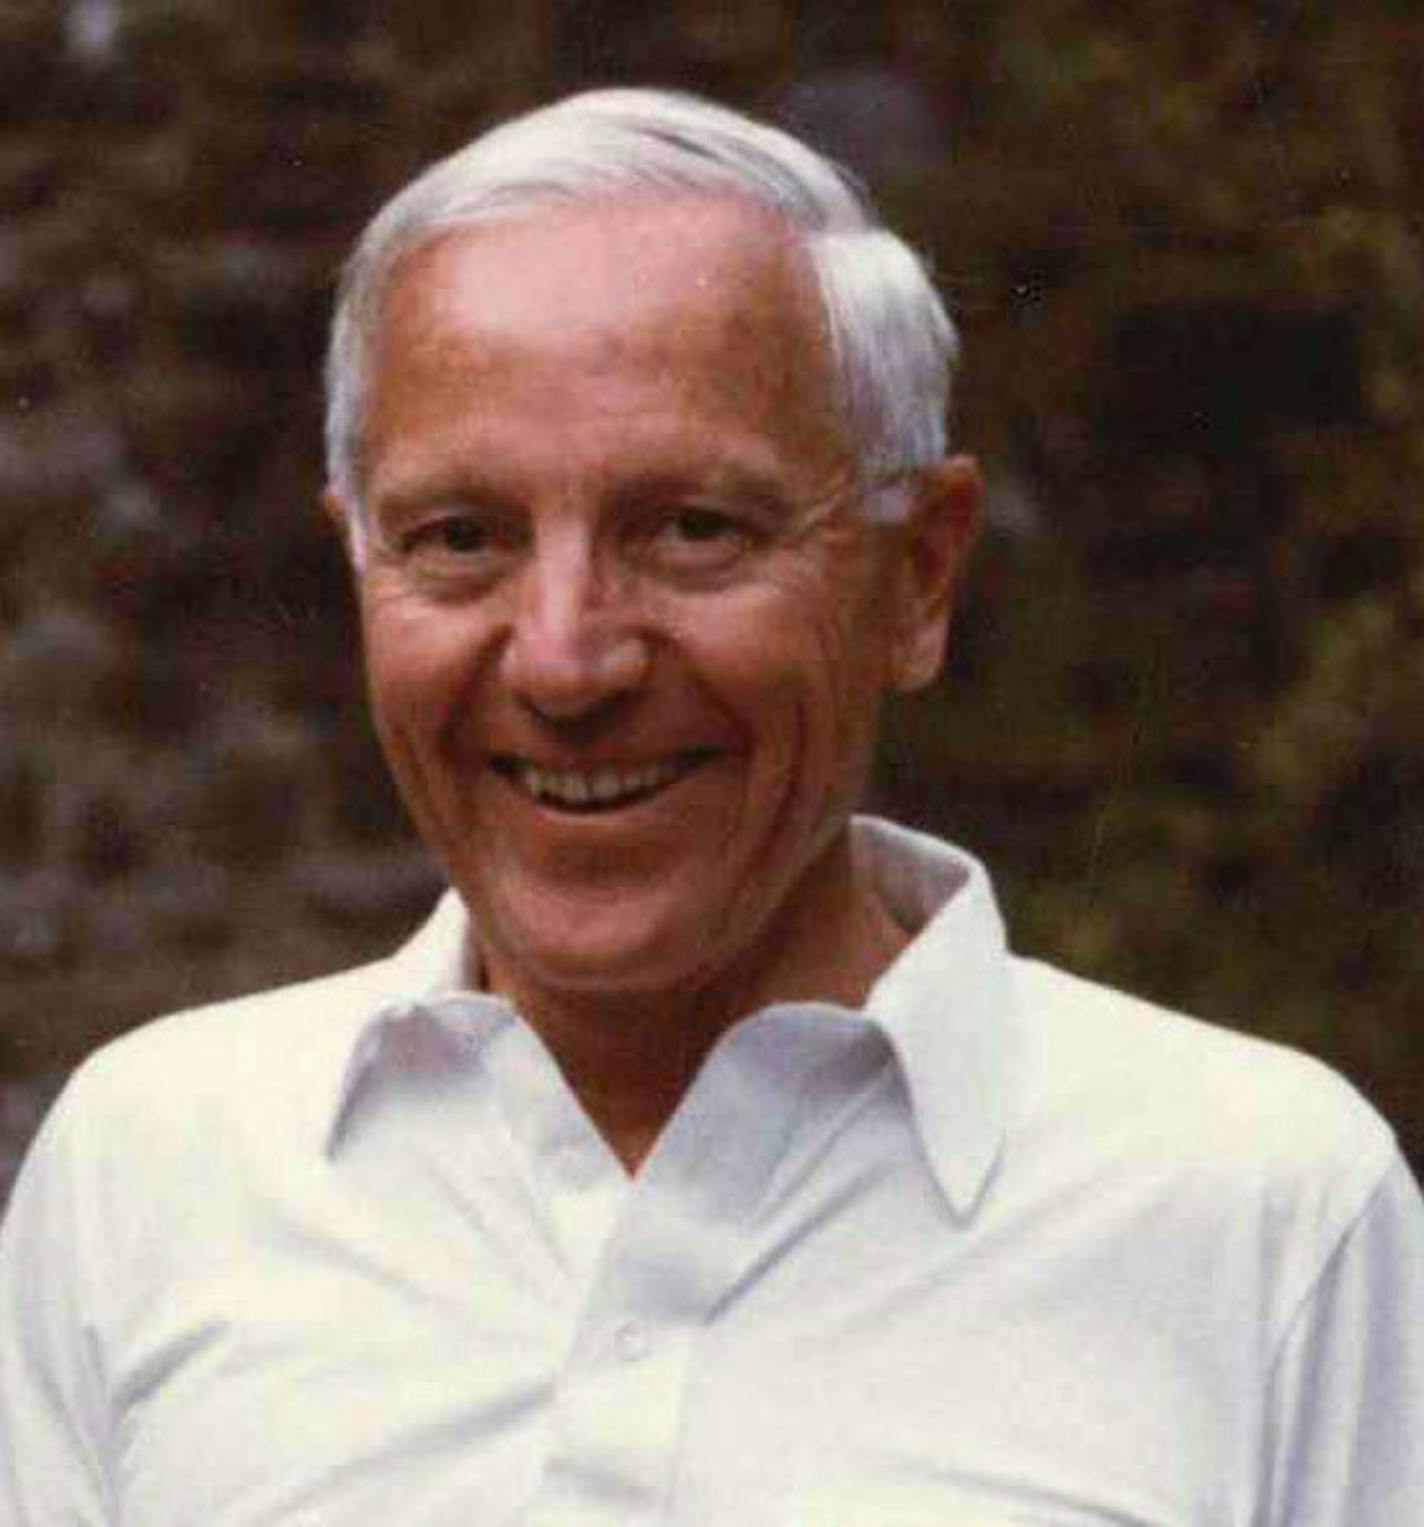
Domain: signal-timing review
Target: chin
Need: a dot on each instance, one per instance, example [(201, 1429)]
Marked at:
[(574, 947)]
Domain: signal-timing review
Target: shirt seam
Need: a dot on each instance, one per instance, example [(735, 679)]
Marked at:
[(72, 1120), (1331, 1255), (1391, 1160)]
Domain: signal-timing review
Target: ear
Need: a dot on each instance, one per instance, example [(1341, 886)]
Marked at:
[(343, 519), (934, 544)]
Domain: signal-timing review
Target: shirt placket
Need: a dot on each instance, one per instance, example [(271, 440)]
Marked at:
[(682, 1239)]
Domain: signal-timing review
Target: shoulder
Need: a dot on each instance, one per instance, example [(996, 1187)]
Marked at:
[(256, 1064), (1088, 1039), (1244, 1121), (195, 1120), (228, 1025)]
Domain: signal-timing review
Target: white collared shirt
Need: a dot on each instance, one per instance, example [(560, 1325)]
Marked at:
[(1002, 1248)]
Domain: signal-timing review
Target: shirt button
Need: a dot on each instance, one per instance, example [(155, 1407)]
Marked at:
[(630, 1341)]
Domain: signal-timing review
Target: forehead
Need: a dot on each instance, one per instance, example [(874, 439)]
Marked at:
[(635, 303), (544, 267)]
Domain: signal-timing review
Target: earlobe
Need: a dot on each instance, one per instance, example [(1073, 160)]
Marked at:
[(935, 545), (333, 506), (342, 519)]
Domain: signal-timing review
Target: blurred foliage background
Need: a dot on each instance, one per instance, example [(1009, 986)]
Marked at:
[(1184, 719)]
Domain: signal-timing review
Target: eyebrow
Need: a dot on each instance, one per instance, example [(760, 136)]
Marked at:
[(440, 488), (725, 481), (728, 481)]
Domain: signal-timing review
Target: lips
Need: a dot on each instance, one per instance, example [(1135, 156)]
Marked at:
[(606, 788)]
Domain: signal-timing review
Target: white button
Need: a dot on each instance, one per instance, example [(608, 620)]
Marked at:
[(630, 1341)]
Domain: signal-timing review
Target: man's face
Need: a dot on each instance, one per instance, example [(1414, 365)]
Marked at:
[(626, 630)]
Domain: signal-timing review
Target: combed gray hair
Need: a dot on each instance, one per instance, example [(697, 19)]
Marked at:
[(893, 343)]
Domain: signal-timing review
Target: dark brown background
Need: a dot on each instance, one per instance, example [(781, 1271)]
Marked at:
[(1185, 717)]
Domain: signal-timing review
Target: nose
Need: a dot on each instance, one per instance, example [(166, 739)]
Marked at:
[(574, 644)]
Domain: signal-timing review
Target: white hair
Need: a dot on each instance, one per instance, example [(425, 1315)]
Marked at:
[(893, 343)]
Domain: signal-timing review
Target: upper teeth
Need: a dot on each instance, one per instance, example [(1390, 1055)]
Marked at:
[(577, 789)]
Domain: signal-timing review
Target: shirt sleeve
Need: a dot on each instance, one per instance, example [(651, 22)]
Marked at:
[(1347, 1391), (51, 1469)]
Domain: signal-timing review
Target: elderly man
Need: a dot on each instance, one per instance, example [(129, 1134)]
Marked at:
[(707, 1159)]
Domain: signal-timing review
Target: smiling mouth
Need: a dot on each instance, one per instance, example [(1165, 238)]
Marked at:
[(586, 792)]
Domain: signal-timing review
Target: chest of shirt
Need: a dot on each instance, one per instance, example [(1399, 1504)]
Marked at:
[(571, 1351)]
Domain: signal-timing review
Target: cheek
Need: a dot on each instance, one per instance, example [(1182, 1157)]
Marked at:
[(852, 684), (845, 635), (396, 673), (808, 672), (418, 666), (406, 642)]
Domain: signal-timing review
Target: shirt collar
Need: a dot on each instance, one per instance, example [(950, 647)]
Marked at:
[(940, 1004), (424, 981)]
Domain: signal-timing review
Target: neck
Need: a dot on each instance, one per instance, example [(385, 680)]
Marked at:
[(630, 1057)]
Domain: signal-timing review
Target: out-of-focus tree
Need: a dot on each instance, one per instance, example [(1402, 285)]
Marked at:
[(1184, 714)]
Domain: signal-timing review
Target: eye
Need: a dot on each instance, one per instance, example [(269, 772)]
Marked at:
[(457, 534), (698, 524), (699, 538), (455, 549)]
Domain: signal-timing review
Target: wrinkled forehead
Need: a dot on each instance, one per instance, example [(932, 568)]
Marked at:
[(694, 295), (614, 260)]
